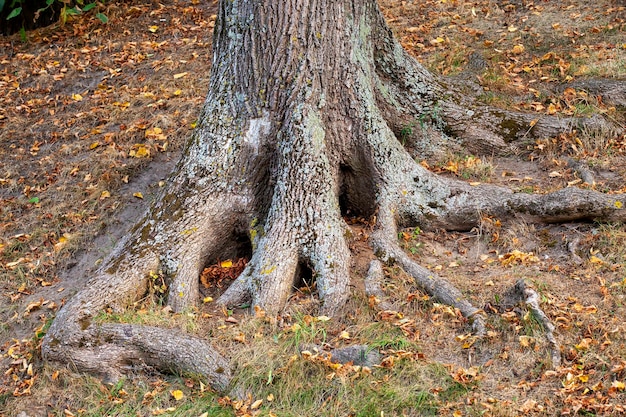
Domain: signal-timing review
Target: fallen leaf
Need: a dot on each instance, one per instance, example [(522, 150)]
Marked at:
[(618, 385), (518, 49), (139, 151), (177, 394)]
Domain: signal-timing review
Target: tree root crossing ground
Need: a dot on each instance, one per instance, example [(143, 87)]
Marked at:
[(302, 125)]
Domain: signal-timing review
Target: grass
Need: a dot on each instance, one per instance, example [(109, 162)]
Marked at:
[(301, 386), (131, 397)]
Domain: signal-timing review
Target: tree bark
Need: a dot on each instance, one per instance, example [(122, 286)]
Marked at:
[(298, 126)]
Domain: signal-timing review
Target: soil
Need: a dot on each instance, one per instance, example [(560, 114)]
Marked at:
[(94, 116)]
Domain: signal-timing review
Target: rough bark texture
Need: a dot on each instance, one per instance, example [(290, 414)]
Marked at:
[(299, 122)]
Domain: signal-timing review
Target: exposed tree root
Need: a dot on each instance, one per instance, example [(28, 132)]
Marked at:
[(531, 298), (385, 244), (78, 339), (611, 91), (282, 145), (514, 129), (373, 289)]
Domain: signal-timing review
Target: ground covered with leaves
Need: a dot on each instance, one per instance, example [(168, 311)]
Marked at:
[(93, 116)]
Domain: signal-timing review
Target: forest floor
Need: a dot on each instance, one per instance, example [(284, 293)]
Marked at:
[(93, 117)]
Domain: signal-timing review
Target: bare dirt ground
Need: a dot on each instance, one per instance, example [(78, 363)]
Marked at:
[(93, 116)]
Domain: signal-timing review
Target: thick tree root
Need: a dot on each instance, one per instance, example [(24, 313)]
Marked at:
[(385, 244), (110, 350), (612, 91), (76, 336), (373, 289), (486, 130)]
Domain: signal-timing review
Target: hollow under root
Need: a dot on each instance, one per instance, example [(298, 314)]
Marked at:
[(269, 277)]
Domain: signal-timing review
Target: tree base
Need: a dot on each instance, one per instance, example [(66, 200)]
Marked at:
[(279, 164)]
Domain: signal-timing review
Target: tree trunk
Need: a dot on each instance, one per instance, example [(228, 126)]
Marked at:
[(298, 127)]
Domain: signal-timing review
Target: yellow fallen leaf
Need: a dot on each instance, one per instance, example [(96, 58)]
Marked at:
[(295, 327), (552, 109), (77, 97), (207, 299), (226, 264), (138, 195), (595, 260), (518, 49), (105, 194), (180, 75), (94, 145), (525, 341), (153, 29), (256, 404), (123, 105), (62, 241), (584, 344), (344, 335), (618, 385), (139, 151), (177, 394), (154, 131), (178, 92)]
